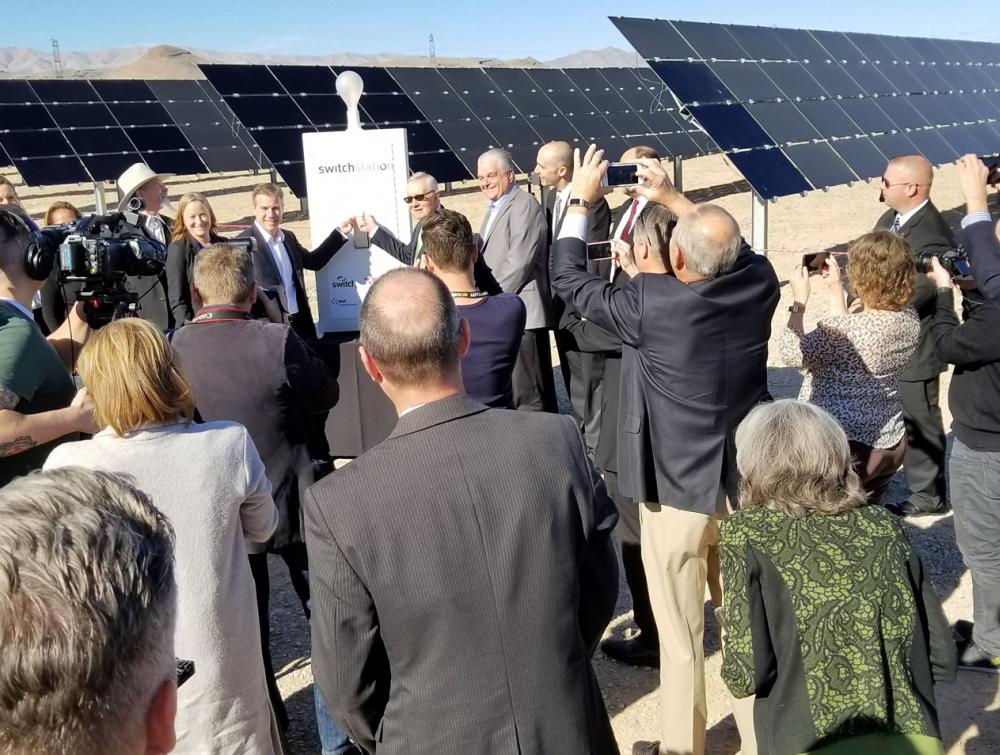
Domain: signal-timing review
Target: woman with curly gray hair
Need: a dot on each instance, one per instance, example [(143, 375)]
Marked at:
[(830, 620)]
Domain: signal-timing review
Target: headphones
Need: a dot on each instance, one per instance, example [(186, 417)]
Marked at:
[(40, 254)]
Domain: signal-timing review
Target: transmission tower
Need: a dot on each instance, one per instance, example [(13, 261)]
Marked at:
[(433, 55), (57, 59)]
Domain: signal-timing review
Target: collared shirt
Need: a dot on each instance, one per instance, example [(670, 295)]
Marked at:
[(494, 208), (156, 226), (283, 262), (409, 409), (20, 308), (976, 217), (559, 209), (903, 219), (640, 205)]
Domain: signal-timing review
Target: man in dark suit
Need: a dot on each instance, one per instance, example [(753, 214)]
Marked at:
[(462, 569), (264, 376), (581, 370), (906, 188), (697, 364), (279, 258), (514, 246)]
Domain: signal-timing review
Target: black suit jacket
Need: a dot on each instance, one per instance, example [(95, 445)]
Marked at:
[(180, 264), (981, 243), (697, 365), (266, 269), (926, 231), (455, 603), (264, 376)]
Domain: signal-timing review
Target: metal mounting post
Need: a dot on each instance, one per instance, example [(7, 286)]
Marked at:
[(99, 206), (274, 176), (758, 223), (678, 174), (304, 205)]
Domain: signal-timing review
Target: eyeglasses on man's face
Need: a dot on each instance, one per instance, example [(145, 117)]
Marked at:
[(886, 184), (419, 197)]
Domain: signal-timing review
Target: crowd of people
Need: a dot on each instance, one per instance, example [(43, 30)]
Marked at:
[(459, 575)]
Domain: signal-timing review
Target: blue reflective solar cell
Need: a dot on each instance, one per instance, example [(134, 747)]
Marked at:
[(21, 144), (422, 137), (838, 46), (306, 79), (483, 97), (802, 46), (598, 90), (869, 78), (294, 176), (770, 173), (682, 145), (934, 109), (868, 115), (444, 166), (731, 126), (242, 79), (559, 88), (523, 93), (834, 79), (267, 112), (931, 78), (901, 49), (980, 79), (894, 145), (902, 113), (872, 46), (140, 113), (783, 122), (956, 77), (109, 167), (654, 38), (861, 155), (123, 90), (760, 42), (987, 135), (960, 107), (385, 109), (960, 139), (64, 90), (51, 171), (24, 117), (952, 50), (902, 77), (829, 118), (14, 91), (746, 81), (99, 140), (986, 103), (821, 166), (281, 144), (710, 41), (692, 83), (933, 146), (157, 138), (794, 81), (376, 80), (323, 110)]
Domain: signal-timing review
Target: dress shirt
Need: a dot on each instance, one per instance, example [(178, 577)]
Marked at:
[(976, 217), (562, 197), (284, 264), (640, 206), (20, 308), (904, 218), (156, 226), (495, 207)]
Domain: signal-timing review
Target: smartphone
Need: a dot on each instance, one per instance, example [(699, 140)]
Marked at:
[(361, 240), (185, 670), (621, 174), (599, 250), (815, 261), (993, 166)]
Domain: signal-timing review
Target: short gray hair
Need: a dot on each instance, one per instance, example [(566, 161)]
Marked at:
[(500, 155), (87, 609), (709, 237), (426, 178), (410, 326), (795, 458)]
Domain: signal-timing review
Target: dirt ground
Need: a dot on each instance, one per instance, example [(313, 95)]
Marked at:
[(969, 707)]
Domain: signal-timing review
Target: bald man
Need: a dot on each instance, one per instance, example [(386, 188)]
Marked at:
[(906, 188), (463, 569), (582, 371)]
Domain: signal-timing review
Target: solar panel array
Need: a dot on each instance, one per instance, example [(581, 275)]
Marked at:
[(799, 110), (58, 131), (452, 115)]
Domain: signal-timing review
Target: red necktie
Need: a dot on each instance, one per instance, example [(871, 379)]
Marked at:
[(627, 228)]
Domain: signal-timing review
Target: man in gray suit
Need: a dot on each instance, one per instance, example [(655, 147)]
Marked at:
[(456, 605), (515, 241)]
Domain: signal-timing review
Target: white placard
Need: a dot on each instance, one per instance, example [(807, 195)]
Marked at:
[(349, 173)]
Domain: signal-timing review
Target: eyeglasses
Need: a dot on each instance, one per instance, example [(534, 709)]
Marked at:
[(419, 197), (886, 184)]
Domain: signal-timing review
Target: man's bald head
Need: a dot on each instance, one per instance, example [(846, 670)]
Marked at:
[(915, 169), (410, 328), (906, 182), (709, 239), (554, 164)]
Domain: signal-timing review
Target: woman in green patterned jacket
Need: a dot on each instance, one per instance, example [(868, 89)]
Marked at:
[(830, 619)]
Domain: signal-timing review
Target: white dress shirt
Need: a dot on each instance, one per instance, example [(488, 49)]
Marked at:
[(903, 219), (283, 262), (156, 226), (640, 206)]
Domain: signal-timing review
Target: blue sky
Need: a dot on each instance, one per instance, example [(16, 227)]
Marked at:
[(543, 29)]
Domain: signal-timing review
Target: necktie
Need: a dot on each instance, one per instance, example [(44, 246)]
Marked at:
[(627, 228), (556, 212), (895, 224)]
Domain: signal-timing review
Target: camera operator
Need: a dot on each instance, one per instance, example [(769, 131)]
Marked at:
[(979, 237), (139, 182), (974, 466), (39, 404)]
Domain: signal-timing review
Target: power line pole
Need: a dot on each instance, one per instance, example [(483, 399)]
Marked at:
[(57, 59), (433, 54)]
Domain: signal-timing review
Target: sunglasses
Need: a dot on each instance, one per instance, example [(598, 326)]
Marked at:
[(419, 197), (886, 184)]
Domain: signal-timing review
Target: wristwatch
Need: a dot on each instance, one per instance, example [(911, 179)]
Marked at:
[(797, 307), (578, 202)]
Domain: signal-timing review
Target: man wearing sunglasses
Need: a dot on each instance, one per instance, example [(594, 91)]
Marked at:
[(906, 188)]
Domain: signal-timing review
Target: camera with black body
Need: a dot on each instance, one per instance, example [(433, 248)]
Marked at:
[(955, 261)]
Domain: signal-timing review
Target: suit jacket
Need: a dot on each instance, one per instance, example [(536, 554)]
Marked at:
[(180, 264), (697, 365), (926, 231), (455, 605), (983, 248), (515, 250), (268, 276), (154, 304), (264, 376), (406, 254)]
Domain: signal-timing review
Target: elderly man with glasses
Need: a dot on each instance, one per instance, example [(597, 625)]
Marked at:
[(906, 188)]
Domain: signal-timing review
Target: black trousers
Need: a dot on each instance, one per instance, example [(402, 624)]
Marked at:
[(629, 538), (925, 442), (583, 374), (298, 569), (532, 382)]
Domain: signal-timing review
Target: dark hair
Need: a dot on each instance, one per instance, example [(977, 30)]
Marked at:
[(410, 327), (655, 226), (447, 238)]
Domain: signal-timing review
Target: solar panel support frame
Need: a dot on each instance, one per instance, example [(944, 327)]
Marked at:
[(678, 173), (99, 206), (758, 223)]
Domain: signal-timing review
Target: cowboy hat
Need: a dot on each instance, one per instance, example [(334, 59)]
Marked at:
[(133, 179)]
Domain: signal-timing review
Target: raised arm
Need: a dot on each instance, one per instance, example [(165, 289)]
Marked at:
[(978, 235)]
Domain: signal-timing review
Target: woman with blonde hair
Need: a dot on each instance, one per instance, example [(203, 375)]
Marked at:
[(830, 619), (853, 359), (210, 482), (194, 229)]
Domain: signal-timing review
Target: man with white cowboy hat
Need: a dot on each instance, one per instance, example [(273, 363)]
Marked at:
[(140, 182)]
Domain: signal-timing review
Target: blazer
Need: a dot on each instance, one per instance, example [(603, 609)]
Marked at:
[(154, 304), (455, 604), (180, 264), (697, 364), (515, 250), (264, 376), (983, 248), (268, 276), (926, 231)]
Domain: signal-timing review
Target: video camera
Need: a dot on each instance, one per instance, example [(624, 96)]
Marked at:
[(955, 261), (100, 252)]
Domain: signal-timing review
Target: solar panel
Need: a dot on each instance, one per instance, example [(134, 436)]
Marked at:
[(824, 107)]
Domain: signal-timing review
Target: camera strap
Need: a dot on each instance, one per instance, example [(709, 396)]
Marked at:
[(220, 313)]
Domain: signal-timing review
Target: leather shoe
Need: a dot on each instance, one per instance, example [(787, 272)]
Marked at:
[(906, 508), (643, 747), (633, 652)]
